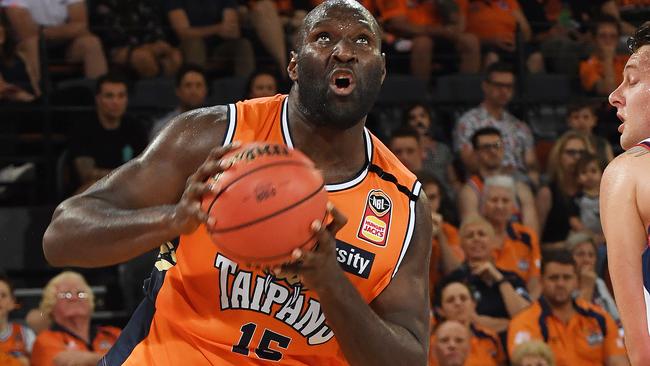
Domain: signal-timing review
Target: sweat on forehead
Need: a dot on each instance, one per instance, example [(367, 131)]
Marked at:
[(341, 9)]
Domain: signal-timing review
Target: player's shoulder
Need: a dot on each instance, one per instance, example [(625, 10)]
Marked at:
[(634, 161)]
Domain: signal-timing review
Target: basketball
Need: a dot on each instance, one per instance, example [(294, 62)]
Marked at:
[(264, 204)]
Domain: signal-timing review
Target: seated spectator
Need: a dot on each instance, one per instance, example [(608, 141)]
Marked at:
[(210, 31), (438, 158), (581, 117), (261, 84), (191, 90), (603, 71), (14, 81), (71, 340), (585, 213), (133, 35), (64, 25), (16, 340), (487, 147), (516, 246), (446, 253), (553, 200), (578, 333), (591, 287), (426, 23), (498, 89), (264, 17), (405, 144), (500, 294), (533, 353), (495, 23), (450, 344), (455, 302), (109, 139)]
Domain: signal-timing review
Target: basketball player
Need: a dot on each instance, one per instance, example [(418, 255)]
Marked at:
[(625, 201), (360, 298)]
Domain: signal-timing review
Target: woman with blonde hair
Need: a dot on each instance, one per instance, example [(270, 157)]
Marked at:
[(553, 200), (69, 302), (533, 353)]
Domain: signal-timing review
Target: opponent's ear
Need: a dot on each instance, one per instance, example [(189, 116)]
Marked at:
[(292, 68)]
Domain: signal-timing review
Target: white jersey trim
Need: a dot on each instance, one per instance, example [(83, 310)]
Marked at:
[(232, 124), (410, 229), (646, 296)]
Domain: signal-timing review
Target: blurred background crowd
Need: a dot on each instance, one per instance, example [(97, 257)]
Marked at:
[(499, 106)]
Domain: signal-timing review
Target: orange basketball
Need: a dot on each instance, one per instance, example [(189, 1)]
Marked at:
[(264, 204)]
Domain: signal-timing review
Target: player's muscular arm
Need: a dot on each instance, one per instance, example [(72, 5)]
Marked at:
[(145, 202), (394, 328), (626, 236)]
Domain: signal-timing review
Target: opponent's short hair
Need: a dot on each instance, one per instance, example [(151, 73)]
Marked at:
[(640, 38)]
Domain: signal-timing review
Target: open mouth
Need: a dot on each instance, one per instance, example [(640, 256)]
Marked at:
[(342, 82)]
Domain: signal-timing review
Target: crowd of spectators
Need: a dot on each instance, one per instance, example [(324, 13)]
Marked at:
[(518, 266)]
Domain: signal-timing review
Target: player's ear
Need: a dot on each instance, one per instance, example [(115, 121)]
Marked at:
[(292, 68)]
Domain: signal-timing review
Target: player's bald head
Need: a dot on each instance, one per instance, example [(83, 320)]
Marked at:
[(343, 10)]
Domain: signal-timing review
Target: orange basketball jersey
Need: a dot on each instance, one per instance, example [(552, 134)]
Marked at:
[(205, 309)]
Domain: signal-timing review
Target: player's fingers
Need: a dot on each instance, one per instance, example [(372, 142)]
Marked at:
[(195, 191), (338, 219), (324, 238), (220, 151)]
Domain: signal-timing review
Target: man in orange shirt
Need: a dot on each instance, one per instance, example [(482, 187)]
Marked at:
[(450, 344), (425, 22), (603, 71), (579, 333)]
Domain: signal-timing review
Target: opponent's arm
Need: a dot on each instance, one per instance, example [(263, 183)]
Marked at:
[(394, 328), (137, 208), (626, 238)]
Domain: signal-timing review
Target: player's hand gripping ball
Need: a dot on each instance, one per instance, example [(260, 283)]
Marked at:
[(262, 207)]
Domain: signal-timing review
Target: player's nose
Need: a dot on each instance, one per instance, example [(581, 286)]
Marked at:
[(344, 51)]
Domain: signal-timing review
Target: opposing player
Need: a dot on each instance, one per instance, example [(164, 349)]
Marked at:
[(625, 201), (360, 298)]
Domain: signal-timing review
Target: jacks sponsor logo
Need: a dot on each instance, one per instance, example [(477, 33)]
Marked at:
[(375, 223)]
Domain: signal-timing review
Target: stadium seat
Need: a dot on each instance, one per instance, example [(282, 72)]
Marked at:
[(227, 90), (402, 89), (547, 88), (459, 88), (153, 93)]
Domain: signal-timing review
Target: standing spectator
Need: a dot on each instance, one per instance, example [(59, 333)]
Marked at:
[(109, 139), (15, 340), (487, 147), (498, 88), (71, 340), (133, 35), (603, 71), (533, 353), (261, 84), (427, 22), (578, 333), (450, 344), (210, 30), (264, 17), (495, 23), (516, 247), (405, 144), (14, 81), (438, 158), (64, 25), (455, 302), (500, 294), (553, 200), (591, 287), (191, 90), (585, 215), (581, 117)]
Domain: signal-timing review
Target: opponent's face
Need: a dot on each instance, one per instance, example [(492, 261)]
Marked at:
[(583, 120), (339, 67), (498, 204), (585, 256), (456, 303), (7, 301), (111, 100), (419, 119), (192, 90), (476, 241), (263, 85), (499, 88), (534, 361), (72, 299), (489, 151), (433, 194), (571, 152), (452, 344), (559, 281), (408, 151), (632, 99)]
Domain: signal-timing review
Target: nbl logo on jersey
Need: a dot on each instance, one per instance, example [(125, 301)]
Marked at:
[(375, 222)]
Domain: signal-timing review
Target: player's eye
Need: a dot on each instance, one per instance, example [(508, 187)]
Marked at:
[(363, 40), (323, 37)]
